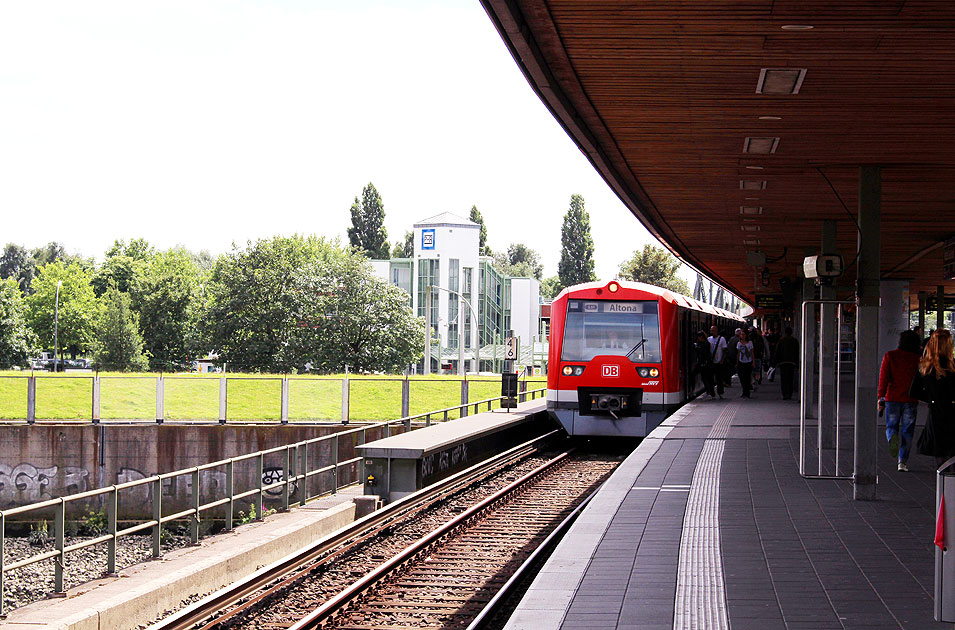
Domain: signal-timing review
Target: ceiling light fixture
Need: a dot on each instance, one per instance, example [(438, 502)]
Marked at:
[(752, 184), (760, 145), (780, 80), (770, 117), (797, 27), (750, 241), (755, 168), (749, 228), (750, 210)]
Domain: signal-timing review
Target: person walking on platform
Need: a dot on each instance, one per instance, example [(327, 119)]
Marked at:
[(895, 379), (760, 355), (729, 359), (704, 363), (744, 363), (718, 353), (934, 383), (787, 357)]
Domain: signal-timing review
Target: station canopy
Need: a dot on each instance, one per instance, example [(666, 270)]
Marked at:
[(735, 126)]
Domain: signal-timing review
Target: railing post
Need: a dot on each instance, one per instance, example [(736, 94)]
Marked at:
[(157, 516), (31, 400), (59, 526), (223, 399), (464, 399), (230, 490), (260, 497), (160, 400), (345, 401), (522, 396), (284, 400), (3, 533), (361, 463), (405, 398), (287, 469), (427, 420), (335, 446), (303, 494), (96, 399), (196, 495), (112, 504)]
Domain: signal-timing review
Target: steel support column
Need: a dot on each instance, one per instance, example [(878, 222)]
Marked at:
[(806, 365), (828, 379), (865, 473), (923, 298), (940, 307)]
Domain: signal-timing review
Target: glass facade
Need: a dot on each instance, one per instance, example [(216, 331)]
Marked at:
[(491, 303), (466, 290), (428, 276)]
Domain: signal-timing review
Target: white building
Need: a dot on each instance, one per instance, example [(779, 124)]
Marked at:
[(464, 286)]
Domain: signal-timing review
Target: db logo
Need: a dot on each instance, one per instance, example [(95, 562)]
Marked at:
[(611, 370)]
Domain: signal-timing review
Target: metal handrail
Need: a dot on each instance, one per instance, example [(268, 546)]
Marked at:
[(295, 453)]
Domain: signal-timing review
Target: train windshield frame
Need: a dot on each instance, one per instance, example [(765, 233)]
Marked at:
[(628, 328)]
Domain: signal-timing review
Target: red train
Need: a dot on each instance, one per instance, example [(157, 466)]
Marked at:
[(621, 356)]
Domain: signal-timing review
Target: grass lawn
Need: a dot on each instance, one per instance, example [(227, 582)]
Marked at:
[(250, 396)]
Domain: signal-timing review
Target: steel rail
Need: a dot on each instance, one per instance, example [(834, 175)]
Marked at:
[(294, 566), (338, 603)]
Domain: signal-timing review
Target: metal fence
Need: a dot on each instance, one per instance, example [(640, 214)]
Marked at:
[(303, 471), (226, 398)]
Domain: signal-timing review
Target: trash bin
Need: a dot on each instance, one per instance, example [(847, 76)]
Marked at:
[(945, 542)]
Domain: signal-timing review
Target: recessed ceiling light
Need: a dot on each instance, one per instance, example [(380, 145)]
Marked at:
[(780, 80), (751, 210), (770, 117), (755, 168), (760, 145), (797, 27), (750, 241), (749, 228), (752, 184), (752, 198)]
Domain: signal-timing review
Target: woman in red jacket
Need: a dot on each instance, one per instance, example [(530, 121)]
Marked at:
[(895, 378)]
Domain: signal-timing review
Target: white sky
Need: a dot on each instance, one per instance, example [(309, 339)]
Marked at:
[(208, 123)]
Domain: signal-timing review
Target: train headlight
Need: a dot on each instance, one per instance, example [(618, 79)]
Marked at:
[(568, 370), (644, 372), (612, 287), (573, 370), (654, 372), (578, 370)]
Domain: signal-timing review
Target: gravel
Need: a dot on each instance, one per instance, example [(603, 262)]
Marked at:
[(34, 582)]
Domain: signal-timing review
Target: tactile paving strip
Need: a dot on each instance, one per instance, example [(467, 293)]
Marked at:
[(700, 590)]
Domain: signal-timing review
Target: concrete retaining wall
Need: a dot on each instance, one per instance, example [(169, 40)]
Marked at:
[(45, 461)]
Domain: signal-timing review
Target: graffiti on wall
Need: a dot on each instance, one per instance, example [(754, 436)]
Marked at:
[(443, 461), (25, 483)]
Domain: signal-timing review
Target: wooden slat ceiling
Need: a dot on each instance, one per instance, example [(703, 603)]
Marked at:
[(661, 95)]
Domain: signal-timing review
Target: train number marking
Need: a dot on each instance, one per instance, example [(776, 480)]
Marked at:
[(652, 383), (611, 370)]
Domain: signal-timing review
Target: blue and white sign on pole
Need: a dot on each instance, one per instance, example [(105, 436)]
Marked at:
[(427, 239)]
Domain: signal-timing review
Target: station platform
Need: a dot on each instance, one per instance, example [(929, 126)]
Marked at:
[(708, 525)]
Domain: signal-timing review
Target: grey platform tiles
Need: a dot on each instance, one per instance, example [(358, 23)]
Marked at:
[(708, 525)]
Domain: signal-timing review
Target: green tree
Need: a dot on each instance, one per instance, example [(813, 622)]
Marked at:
[(166, 300), (367, 232), (287, 301), (17, 342), (404, 249), (17, 263), (551, 286), (520, 261), (475, 216), (577, 246), (656, 266), (123, 265), (78, 306), (118, 346)]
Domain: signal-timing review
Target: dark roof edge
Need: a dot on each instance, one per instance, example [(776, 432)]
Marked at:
[(508, 19)]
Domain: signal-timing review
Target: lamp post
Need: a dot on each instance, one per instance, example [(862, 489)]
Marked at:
[(56, 326), (477, 356)]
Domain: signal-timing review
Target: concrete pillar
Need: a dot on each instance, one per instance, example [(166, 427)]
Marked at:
[(865, 474), (223, 399), (893, 314), (345, 393), (31, 399), (923, 299), (405, 398), (464, 398), (160, 400), (284, 413), (828, 379), (940, 307)]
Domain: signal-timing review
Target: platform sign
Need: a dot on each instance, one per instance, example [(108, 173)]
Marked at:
[(771, 301), (511, 348)]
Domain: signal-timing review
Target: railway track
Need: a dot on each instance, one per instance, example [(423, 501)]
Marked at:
[(288, 593)]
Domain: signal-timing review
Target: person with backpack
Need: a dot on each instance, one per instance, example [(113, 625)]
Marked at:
[(718, 356)]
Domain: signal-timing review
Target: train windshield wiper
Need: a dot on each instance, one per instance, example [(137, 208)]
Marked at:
[(636, 347)]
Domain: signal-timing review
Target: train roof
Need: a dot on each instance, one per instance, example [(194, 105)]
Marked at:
[(674, 298)]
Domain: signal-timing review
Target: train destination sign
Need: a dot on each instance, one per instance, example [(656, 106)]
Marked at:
[(602, 306)]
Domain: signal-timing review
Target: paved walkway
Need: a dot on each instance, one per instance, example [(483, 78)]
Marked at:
[(708, 525)]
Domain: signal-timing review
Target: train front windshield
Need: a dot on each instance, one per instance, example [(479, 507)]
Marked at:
[(598, 327)]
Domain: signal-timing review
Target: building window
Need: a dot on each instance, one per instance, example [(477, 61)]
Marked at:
[(453, 265), (428, 270), (467, 281)]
